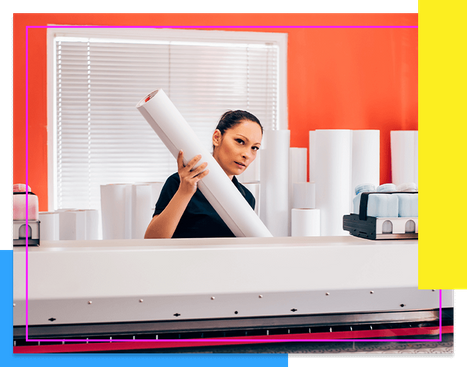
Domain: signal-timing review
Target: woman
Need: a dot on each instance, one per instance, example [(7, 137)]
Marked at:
[(182, 210)]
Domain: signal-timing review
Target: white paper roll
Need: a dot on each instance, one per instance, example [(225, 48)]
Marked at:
[(72, 224), (305, 222), (365, 157), (141, 209), (92, 224), (404, 157), (49, 226), (116, 211), (275, 181), (304, 195), (331, 170), (218, 189), (297, 170), (156, 188)]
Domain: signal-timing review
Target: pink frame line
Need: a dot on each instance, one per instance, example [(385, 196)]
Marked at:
[(194, 340)]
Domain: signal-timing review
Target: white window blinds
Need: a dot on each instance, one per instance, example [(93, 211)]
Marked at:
[(101, 138)]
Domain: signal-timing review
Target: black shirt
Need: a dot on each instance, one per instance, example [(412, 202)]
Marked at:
[(199, 219)]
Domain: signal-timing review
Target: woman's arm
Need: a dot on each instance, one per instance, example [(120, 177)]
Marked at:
[(164, 224)]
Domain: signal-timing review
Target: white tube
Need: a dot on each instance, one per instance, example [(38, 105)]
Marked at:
[(116, 211), (331, 165), (255, 189), (275, 181), (92, 224), (218, 189), (297, 170), (305, 222), (404, 156), (365, 157), (141, 209), (49, 226)]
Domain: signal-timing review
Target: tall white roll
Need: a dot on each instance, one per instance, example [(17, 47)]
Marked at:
[(305, 222), (116, 211), (275, 181), (141, 210), (50, 226), (332, 174), (404, 156), (218, 189), (297, 170), (156, 188), (365, 157), (304, 195), (92, 224)]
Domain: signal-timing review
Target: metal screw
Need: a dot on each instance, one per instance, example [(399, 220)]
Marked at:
[(372, 292), (141, 300), (89, 302), (327, 293), (213, 298), (260, 296), (14, 304)]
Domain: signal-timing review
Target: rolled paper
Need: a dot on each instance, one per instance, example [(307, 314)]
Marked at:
[(72, 224), (255, 189), (404, 156), (365, 157), (305, 222), (49, 226), (92, 224), (176, 134), (297, 170), (141, 209), (116, 211), (275, 182), (156, 188), (331, 170)]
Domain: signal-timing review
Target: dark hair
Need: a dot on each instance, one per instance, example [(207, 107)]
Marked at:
[(233, 118)]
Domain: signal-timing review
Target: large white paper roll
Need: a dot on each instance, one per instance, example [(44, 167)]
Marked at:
[(305, 222), (116, 211), (404, 156), (331, 170), (365, 157), (141, 209), (49, 226), (218, 189), (297, 170), (275, 181), (92, 224), (156, 188), (304, 195)]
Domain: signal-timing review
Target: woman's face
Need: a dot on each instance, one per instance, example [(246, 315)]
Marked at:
[(237, 148)]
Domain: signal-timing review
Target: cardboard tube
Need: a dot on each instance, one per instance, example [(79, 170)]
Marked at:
[(218, 189)]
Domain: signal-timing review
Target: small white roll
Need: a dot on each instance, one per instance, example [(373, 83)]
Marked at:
[(92, 224), (365, 157), (404, 156), (49, 226), (297, 170), (305, 222), (72, 224), (254, 188)]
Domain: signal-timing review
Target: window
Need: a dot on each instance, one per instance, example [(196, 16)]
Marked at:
[(97, 76)]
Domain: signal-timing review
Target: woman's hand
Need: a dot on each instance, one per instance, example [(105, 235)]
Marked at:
[(190, 176)]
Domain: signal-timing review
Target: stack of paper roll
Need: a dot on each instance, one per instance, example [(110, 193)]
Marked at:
[(69, 224), (127, 209), (404, 156), (339, 160)]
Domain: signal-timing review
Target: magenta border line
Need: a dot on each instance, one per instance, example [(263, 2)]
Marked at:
[(195, 340)]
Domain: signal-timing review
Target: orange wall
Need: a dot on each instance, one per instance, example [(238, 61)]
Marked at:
[(346, 78)]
